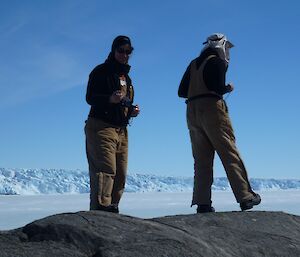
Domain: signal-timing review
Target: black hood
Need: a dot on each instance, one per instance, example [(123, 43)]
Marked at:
[(119, 41)]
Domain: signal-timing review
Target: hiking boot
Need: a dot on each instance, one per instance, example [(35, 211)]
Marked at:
[(114, 208), (110, 208), (248, 204), (202, 208)]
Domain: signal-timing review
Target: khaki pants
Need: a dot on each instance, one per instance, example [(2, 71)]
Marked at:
[(210, 130), (107, 154)]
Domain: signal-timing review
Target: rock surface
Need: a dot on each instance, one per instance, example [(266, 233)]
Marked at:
[(101, 234)]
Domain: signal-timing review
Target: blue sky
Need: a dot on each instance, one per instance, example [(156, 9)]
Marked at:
[(48, 48)]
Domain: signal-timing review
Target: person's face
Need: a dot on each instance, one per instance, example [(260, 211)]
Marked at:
[(122, 53), (228, 46)]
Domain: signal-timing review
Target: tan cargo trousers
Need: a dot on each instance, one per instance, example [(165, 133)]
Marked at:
[(211, 130), (107, 154)]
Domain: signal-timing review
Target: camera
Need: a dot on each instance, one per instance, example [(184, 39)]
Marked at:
[(127, 103)]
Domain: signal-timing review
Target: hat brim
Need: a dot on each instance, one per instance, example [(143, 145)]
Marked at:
[(229, 44)]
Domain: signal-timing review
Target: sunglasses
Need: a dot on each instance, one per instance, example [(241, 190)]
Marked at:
[(124, 51)]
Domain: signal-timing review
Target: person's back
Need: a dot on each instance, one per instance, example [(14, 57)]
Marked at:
[(203, 84)]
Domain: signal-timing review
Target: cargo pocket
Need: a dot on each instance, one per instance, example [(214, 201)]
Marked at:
[(105, 187)]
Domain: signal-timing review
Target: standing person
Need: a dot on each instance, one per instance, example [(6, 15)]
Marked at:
[(203, 84), (110, 94)]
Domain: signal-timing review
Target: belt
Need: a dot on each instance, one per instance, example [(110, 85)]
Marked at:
[(202, 96)]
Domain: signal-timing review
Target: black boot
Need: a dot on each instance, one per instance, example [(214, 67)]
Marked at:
[(248, 204), (114, 208), (202, 208), (110, 208)]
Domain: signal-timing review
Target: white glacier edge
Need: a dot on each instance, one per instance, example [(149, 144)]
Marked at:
[(60, 181)]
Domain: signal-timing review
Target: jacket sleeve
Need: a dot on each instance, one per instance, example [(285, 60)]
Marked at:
[(184, 84), (214, 75), (97, 93)]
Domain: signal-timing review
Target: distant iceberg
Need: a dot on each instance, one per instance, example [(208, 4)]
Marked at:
[(60, 181)]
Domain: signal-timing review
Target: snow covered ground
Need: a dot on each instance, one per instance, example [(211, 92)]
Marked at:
[(30, 194), (19, 210)]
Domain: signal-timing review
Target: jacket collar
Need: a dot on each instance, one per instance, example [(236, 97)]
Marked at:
[(117, 67)]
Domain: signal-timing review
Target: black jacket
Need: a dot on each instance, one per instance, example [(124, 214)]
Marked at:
[(103, 81), (214, 74)]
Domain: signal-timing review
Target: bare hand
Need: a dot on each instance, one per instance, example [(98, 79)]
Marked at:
[(116, 97), (135, 111)]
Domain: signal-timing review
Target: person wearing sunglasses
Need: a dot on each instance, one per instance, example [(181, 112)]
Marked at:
[(110, 94), (203, 84)]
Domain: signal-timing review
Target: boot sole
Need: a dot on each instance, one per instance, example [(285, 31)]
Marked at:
[(250, 205)]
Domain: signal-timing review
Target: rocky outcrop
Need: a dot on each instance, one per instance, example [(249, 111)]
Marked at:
[(101, 234)]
